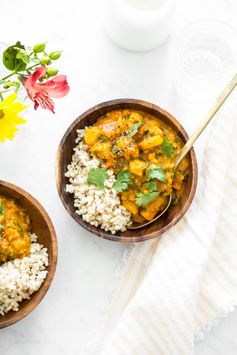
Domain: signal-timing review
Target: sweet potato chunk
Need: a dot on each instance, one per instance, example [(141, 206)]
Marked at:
[(102, 150), (131, 206), (153, 208), (91, 136), (150, 142), (128, 147), (137, 167)]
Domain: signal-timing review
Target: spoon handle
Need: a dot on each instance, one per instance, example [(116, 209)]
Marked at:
[(219, 102)]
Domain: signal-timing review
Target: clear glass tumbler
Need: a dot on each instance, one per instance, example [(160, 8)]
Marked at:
[(206, 58)]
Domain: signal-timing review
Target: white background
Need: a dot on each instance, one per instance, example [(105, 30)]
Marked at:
[(97, 71)]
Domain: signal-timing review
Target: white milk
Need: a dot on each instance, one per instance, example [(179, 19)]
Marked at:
[(138, 25), (145, 4)]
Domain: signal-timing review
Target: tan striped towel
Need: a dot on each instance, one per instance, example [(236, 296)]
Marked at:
[(174, 289)]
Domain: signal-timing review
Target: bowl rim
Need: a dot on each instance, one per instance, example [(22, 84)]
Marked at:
[(97, 231), (16, 316)]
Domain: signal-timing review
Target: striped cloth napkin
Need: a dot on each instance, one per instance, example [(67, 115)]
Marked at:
[(172, 290)]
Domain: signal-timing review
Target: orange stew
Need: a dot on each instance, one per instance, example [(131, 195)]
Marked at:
[(14, 230), (141, 149)]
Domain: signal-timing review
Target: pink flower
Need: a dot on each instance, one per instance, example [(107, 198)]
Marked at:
[(41, 93)]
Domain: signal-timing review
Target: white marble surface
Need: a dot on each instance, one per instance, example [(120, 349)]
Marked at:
[(97, 71)]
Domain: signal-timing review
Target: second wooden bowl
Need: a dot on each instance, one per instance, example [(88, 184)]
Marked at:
[(43, 228), (64, 156)]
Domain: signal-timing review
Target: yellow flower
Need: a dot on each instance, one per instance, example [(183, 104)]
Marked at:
[(9, 119)]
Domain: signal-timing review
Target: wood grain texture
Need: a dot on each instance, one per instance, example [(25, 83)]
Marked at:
[(64, 156), (43, 228)]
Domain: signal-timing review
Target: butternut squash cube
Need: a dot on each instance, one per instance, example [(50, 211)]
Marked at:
[(91, 136), (131, 206), (150, 142), (137, 167)]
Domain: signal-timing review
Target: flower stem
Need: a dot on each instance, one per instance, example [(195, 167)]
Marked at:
[(9, 75), (35, 65), (14, 72), (3, 91), (1, 97)]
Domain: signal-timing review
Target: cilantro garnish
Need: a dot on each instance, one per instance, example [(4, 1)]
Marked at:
[(123, 178), (97, 176), (144, 199), (156, 173), (151, 186), (102, 138), (2, 210), (167, 148), (135, 127)]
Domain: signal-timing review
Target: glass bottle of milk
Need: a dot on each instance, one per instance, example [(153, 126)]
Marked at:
[(145, 5), (138, 25)]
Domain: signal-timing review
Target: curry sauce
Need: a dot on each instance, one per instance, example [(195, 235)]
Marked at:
[(14, 230), (142, 150)]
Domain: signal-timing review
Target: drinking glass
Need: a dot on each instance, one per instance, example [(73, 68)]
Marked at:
[(206, 58)]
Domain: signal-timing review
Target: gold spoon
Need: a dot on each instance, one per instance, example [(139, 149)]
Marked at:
[(186, 148)]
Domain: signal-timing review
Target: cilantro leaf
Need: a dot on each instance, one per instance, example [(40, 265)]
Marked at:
[(123, 178), (135, 127), (144, 199), (97, 176), (156, 173), (151, 186), (2, 210), (167, 148), (102, 138)]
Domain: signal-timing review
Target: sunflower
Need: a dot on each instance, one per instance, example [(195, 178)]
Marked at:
[(9, 119)]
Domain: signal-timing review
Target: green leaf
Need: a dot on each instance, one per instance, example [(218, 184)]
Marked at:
[(8, 84), (102, 138), (2, 210), (136, 187), (135, 127), (10, 59), (144, 199), (156, 173), (1, 228), (123, 178), (167, 148), (97, 176), (151, 186), (22, 54)]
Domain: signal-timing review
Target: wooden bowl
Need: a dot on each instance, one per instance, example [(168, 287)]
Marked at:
[(43, 228), (64, 156)]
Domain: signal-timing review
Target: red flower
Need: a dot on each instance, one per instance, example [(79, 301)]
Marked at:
[(41, 93)]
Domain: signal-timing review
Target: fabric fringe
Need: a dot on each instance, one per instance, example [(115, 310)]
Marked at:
[(214, 322)]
